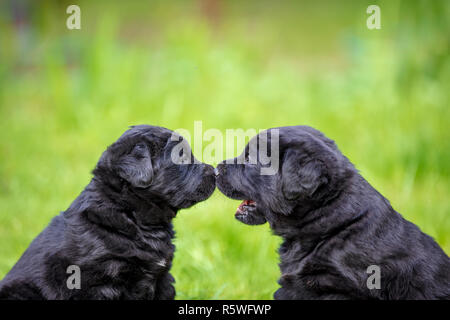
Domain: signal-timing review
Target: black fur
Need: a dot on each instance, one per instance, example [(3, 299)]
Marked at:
[(334, 225), (119, 230)]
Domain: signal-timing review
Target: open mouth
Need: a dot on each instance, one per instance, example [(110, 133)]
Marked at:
[(245, 206)]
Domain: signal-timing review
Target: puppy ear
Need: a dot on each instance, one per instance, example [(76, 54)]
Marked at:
[(301, 177), (136, 166)]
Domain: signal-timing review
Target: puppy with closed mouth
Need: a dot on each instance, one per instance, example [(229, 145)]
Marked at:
[(335, 226), (118, 232)]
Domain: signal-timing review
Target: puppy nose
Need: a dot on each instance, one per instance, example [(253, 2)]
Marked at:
[(208, 170), (221, 169)]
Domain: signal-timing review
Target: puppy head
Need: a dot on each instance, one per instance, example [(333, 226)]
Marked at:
[(143, 162), (311, 171)]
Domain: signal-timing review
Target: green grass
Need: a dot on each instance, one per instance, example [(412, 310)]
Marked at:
[(65, 95)]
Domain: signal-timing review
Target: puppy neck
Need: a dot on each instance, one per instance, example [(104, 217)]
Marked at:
[(312, 222), (148, 210)]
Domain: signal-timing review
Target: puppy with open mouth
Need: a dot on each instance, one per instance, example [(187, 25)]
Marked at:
[(335, 226), (248, 214), (118, 232)]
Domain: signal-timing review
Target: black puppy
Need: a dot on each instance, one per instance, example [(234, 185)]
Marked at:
[(335, 226), (118, 232)]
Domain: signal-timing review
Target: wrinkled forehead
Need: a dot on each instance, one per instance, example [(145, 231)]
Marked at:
[(156, 135), (269, 137), (293, 134), (286, 137)]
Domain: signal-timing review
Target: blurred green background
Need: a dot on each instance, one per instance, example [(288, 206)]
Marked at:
[(382, 95)]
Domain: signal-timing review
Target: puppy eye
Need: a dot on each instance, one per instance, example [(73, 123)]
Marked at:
[(139, 150), (181, 153), (140, 146)]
